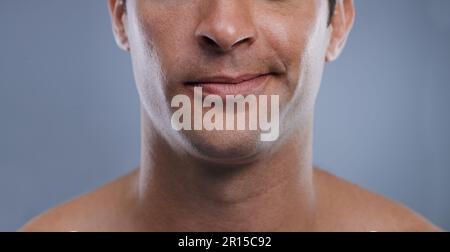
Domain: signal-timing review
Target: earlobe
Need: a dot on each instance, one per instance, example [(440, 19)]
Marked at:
[(117, 11)]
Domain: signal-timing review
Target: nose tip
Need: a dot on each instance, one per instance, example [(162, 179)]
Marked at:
[(226, 26)]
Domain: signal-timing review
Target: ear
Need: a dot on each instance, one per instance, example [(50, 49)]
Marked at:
[(117, 10), (340, 27)]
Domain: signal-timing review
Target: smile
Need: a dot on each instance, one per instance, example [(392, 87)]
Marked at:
[(223, 86)]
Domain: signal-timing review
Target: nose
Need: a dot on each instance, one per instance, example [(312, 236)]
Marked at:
[(225, 25)]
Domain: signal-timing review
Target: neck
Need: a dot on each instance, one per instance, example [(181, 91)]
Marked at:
[(273, 193)]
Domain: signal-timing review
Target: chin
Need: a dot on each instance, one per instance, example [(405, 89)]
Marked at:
[(225, 147)]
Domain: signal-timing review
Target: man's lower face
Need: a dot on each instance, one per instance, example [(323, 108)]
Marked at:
[(226, 84), (224, 127), (225, 123)]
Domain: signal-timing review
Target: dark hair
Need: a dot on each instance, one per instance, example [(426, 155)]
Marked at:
[(332, 4)]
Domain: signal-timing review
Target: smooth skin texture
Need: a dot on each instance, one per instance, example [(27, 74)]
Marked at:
[(229, 180)]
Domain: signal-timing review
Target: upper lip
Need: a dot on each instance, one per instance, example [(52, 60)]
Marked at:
[(225, 79)]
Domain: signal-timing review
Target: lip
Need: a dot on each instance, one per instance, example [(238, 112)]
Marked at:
[(223, 85)]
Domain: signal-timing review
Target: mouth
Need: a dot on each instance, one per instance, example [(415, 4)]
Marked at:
[(225, 85)]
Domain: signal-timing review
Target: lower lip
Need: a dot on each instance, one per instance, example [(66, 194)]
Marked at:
[(252, 86)]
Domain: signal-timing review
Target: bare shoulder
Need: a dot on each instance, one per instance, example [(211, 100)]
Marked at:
[(92, 211), (352, 208)]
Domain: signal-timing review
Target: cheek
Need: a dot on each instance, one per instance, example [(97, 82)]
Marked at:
[(309, 70), (156, 39), (144, 35), (173, 46), (156, 46), (289, 40), (288, 31), (300, 44)]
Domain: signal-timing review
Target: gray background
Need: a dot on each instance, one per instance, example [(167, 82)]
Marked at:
[(69, 112)]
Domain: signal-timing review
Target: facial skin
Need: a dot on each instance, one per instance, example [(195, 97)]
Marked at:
[(289, 40), (229, 180)]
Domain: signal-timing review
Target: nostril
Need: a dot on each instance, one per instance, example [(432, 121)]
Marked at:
[(210, 42), (248, 40), (224, 45)]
